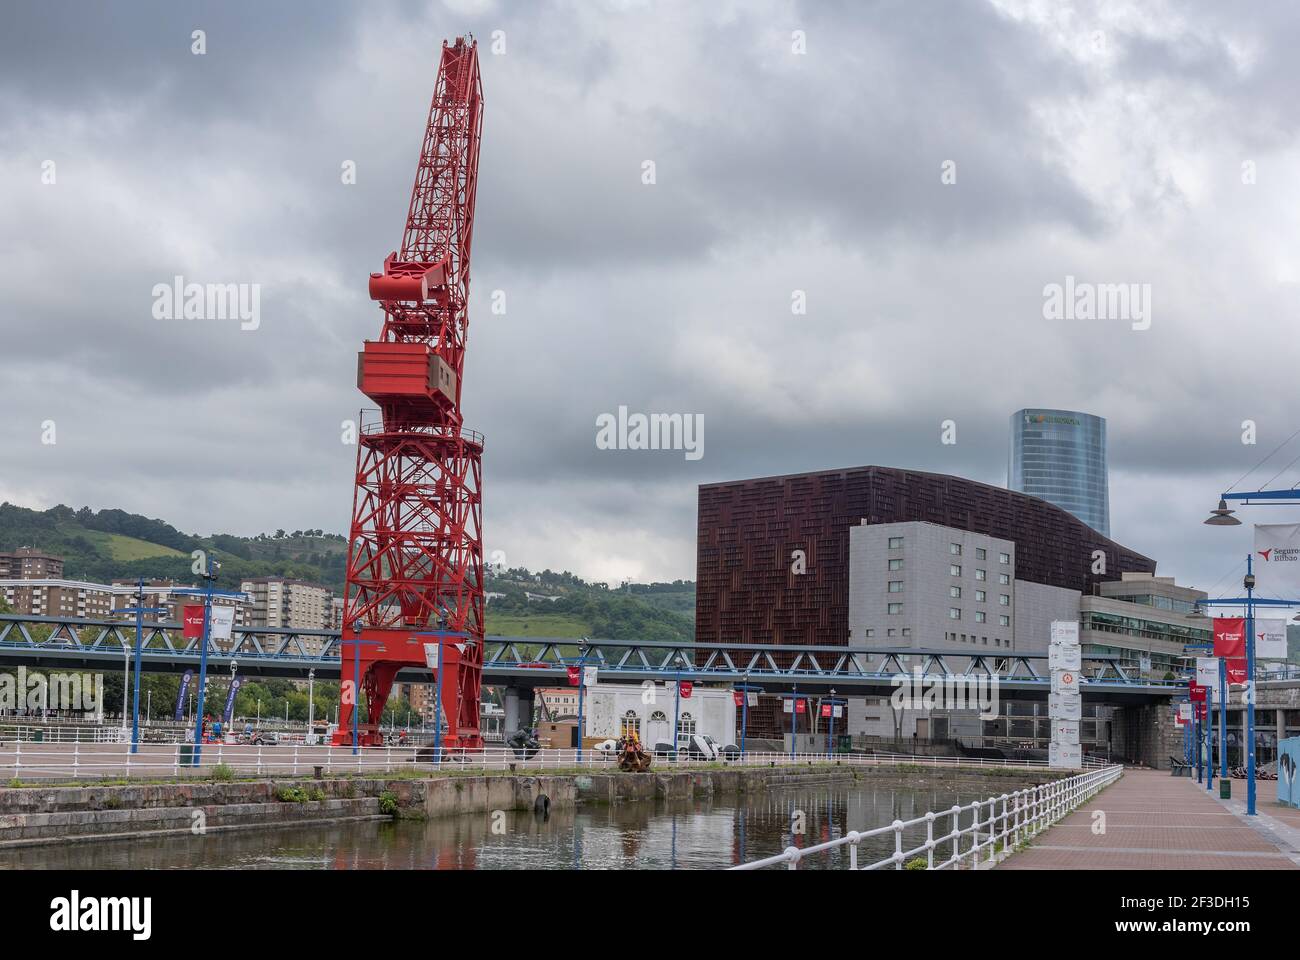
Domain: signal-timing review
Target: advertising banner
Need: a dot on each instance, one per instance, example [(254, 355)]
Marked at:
[(575, 675), (1064, 756), (230, 699), (1270, 639), (1277, 560), (1185, 712), (1288, 758), (753, 699), (738, 697), (1229, 637), (589, 677), (787, 705), (1064, 657), (826, 710), (1207, 674), (1065, 681), (1065, 731), (801, 706), (180, 697), (223, 622), (1065, 632), (686, 686), (192, 618), (1064, 706)]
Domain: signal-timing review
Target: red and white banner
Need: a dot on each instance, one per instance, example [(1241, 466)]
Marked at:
[(685, 687), (575, 675), (738, 697), (799, 705), (1230, 637), (826, 710), (193, 620), (1277, 560), (1270, 638), (1195, 692)]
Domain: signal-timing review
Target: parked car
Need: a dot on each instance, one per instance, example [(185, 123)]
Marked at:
[(731, 752), (607, 747), (663, 748), (697, 747)]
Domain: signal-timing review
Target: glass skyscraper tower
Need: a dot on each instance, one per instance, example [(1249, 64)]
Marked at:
[(1060, 456)]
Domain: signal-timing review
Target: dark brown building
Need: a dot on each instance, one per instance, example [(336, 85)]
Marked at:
[(749, 530)]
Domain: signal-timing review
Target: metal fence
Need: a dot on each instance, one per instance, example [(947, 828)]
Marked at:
[(82, 760), (997, 825)]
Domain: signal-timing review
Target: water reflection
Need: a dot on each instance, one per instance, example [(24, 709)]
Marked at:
[(697, 834)]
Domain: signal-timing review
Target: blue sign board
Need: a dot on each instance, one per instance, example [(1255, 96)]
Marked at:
[(1288, 759)]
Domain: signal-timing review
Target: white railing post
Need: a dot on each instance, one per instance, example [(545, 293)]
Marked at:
[(295, 759), (929, 840), (956, 837), (898, 844), (76, 759)]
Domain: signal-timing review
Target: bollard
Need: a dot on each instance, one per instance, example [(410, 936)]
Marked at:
[(316, 772)]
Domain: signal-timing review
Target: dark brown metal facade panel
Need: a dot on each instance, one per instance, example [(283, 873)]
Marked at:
[(748, 531)]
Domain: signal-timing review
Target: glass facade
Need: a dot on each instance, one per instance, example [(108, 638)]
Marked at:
[(1060, 456)]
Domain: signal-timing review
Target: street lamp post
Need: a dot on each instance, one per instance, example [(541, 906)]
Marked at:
[(584, 647), (139, 610), (677, 709), (830, 736), (794, 714), (311, 703)]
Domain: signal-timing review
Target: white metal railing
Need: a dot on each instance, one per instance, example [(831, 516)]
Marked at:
[(79, 760), (1011, 819)]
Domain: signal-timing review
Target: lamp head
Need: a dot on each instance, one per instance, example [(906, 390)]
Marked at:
[(1221, 516)]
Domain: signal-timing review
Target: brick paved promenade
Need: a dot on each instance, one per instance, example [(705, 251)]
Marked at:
[(1158, 822)]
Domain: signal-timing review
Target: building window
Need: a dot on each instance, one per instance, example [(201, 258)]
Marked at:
[(981, 574), (870, 633), (980, 553), (686, 726), (979, 616), (954, 570), (1004, 558), (979, 596), (895, 609), (895, 543), (896, 564), (954, 613), (889, 632), (1004, 620), (1004, 600), (1004, 579), (954, 592), (954, 549), (895, 586), (631, 724), (907, 631)]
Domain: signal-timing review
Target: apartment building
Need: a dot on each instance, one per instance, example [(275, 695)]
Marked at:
[(28, 563)]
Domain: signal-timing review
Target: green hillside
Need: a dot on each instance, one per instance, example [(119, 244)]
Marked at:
[(106, 544)]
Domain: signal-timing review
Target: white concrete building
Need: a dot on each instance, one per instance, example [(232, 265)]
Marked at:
[(610, 710)]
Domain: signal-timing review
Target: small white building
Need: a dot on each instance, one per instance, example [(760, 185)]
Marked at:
[(611, 709)]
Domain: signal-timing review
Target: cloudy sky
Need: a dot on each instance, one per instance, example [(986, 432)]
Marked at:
[(796, 147)]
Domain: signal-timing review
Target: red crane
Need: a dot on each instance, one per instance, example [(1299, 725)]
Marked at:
[(415, 550)]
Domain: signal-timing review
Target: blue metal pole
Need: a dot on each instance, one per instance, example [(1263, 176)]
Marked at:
[(203, 665), (1209, 742), (1250, 687), (582, 689), (139, 635), (437, 709), (830, 737), (1223, 719)]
